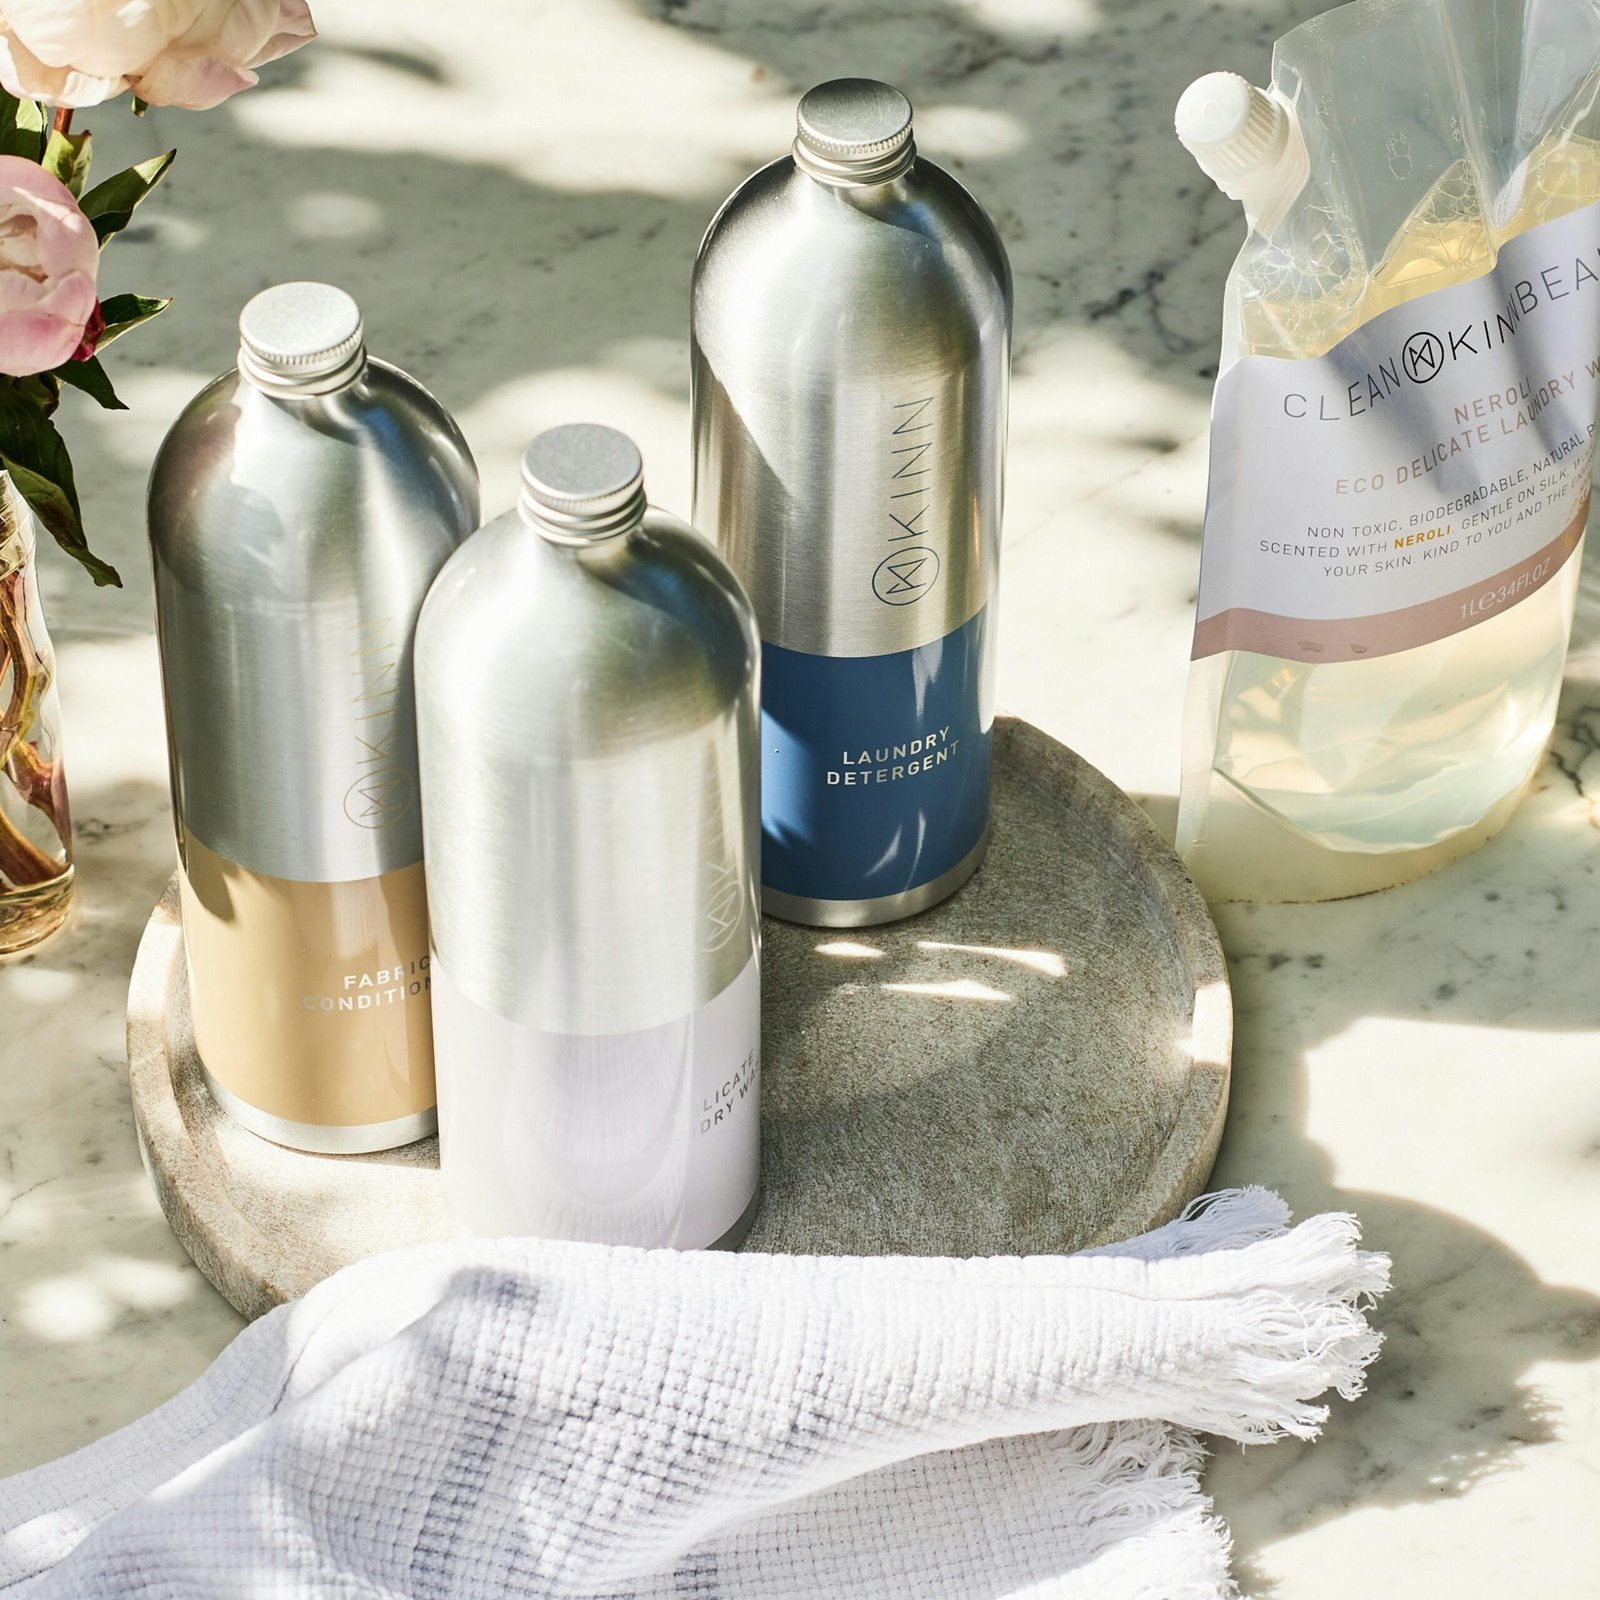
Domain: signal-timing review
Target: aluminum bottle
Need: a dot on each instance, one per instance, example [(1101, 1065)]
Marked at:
[(587, 680), (851, 351), (299, 509)]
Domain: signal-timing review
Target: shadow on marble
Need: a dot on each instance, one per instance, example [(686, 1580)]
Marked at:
[(1501, 941), (90, 1273), (1448, 1405), (1443, 963), (1060, 123)]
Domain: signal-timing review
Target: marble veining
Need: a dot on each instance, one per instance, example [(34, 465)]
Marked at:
[(516, 199)]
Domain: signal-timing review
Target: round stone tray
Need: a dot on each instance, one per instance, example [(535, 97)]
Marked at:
[(1039, 1064)]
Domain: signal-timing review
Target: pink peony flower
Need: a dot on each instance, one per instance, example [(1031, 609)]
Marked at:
[(49, 257), (192, 53)]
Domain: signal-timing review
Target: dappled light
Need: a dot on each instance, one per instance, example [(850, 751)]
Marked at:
[(330, 214), (951, 989), (1047, 963), (88, 1303), (41, 985), (1212, 1006)]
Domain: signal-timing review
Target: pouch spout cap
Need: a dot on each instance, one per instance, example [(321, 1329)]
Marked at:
[(1247, 142)]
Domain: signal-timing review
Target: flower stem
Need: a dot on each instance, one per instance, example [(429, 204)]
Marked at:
[(22, 862), (63, 120), (36, 781), (16, 652)]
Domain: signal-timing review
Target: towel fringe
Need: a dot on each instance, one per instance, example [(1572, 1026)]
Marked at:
[(1298, 1332), (1139, 1504)]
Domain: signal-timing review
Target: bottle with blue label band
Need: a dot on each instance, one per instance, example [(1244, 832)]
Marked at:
[(851, 351)]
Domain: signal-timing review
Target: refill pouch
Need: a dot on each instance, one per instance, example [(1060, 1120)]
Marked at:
[(1402, 439)]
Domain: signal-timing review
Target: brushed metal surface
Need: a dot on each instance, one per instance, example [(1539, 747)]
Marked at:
[(850, 360), (321, 1138), (293, 539), (813, 913), (590, 764)]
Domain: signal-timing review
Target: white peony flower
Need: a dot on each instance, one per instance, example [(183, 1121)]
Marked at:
[(192, 53)]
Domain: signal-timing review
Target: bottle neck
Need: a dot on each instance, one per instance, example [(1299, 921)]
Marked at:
[(855, 172), (582, 530), (294, 385)]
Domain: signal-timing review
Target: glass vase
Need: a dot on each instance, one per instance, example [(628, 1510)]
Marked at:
[(35, 825)]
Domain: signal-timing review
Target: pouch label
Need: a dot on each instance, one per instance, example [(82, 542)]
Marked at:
[(1430, 470)]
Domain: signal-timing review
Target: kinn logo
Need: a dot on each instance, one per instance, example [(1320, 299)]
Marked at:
[(906, 575), (1423, 357), (384, 793), (910, 569), (379, 798)]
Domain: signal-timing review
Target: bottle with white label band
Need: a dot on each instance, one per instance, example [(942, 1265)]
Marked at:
[(587, 673), (1383, 623), (299, 509), (851, 331)]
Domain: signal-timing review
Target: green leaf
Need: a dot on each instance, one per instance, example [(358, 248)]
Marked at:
[(91, 377), (30, 438), (110, 205), (67, 156), (41, 388), (124, 312), (140, 106), (36, 457), (22, 127), (60, 516)]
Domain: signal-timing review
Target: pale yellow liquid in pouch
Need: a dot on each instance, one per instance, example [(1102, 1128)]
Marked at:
[(1336, 779)]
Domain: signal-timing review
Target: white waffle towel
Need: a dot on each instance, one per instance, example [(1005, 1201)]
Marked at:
[(530, 1419)]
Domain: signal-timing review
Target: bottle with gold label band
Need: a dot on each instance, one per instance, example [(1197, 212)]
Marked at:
[(299, 509)]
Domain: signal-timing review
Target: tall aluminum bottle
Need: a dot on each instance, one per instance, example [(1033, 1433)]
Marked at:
[(851, 353), (587, 674), (298, 511)]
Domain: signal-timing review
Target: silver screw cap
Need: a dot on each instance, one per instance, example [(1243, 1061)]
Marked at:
[(854, 130), (301, 338), (582, 483)]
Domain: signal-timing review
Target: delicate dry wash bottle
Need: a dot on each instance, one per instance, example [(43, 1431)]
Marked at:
[(586, 696), (299, 509), (1402, 440)]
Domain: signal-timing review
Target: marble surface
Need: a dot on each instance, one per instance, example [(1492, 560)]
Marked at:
[(515, 192)]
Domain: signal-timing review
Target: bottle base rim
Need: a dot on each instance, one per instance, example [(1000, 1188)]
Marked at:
[(740, 1231), (872, 913), (324, 1139)]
